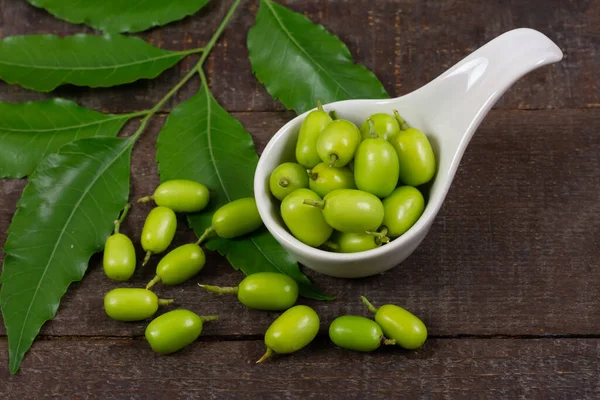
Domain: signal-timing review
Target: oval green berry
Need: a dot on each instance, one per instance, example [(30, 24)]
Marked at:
[(400, 325), (119, 257), (337, 143), (355, 242), (236, 218), (132, 304), (402, 209), (417, 160), (286, 178), (291, 331), (376, 167), (349, 210), (269, 291), (356, 333), (325, 179), (158, 232), (179, 265), (306, 223), (180, 195), (383, 125), (306, 146), (175, 330)]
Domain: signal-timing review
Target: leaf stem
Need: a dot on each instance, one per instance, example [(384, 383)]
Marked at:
[(205, 52), (122, 218)]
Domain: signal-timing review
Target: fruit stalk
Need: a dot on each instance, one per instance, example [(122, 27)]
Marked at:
[(333, 159), (388, 342), (165, 302), (370, 306), (283, 182), (119, 221), (153, 282), (145, 199), (220, 289), (147, 258), (207, 318), (314, 203), (267, 354), (372, 131), (401, 121)]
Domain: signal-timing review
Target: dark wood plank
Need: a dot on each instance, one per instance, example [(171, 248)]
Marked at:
[(443, 369), (406, 43), (514, 251)]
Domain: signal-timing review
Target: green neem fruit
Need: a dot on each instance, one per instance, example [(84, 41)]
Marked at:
[(342, 242), (312, 126), (384, 125), (158, 232), (417, 161), (286, 178), (376, 167), (306, 223), (269, 291), (325, 179), (119, 254), (132, 304), (399, 324), (180, 195), (234, 219), (291, 331), (357, 333), (337, 143), (179, 265), (402, 209), (175, 330), (349, 210)]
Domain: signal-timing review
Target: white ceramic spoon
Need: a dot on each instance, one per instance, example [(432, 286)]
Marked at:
[(448, 110)]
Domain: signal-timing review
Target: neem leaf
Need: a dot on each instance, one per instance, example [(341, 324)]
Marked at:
[(119, 16), (30, 131), (44, 62), (64, 216), (301, 63), (200, 141)]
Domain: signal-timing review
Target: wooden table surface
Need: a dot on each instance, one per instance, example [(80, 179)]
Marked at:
[(507, 280)]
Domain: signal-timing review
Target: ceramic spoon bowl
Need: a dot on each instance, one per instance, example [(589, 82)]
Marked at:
[(448, 110)]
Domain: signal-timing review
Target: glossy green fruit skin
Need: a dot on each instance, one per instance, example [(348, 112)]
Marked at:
[(173, 331), (119, 257), (325, 179), (353, 211), (269, 291), (130, 304), (386, 126), (401, 325), (355, 333), (354, 242), (341, 138), (182, 195), (306, 147), (305, 222), (402, 209), (159, 229), (237, 218), (180, 264), (295, 175), (376, 167), (417, 161), (292, 330)]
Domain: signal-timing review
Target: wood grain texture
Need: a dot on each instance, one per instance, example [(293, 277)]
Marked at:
[(514, 251), (442, 369), (406, 43)]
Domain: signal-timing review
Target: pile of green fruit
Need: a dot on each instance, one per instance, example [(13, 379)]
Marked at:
[(295, 328), (353, 189)]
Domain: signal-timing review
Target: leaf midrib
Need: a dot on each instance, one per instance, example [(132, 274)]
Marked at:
[(65, 128), (116, 66), (295, 42), (209, 139), (62, 232)]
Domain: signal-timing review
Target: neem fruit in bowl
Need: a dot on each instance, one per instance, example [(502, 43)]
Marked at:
[(446, 111)]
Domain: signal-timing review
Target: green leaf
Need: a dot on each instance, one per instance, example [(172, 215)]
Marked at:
[(202, 142), (64, 216), (44, 62), (301, 63), (117, 16), (30, 131)]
